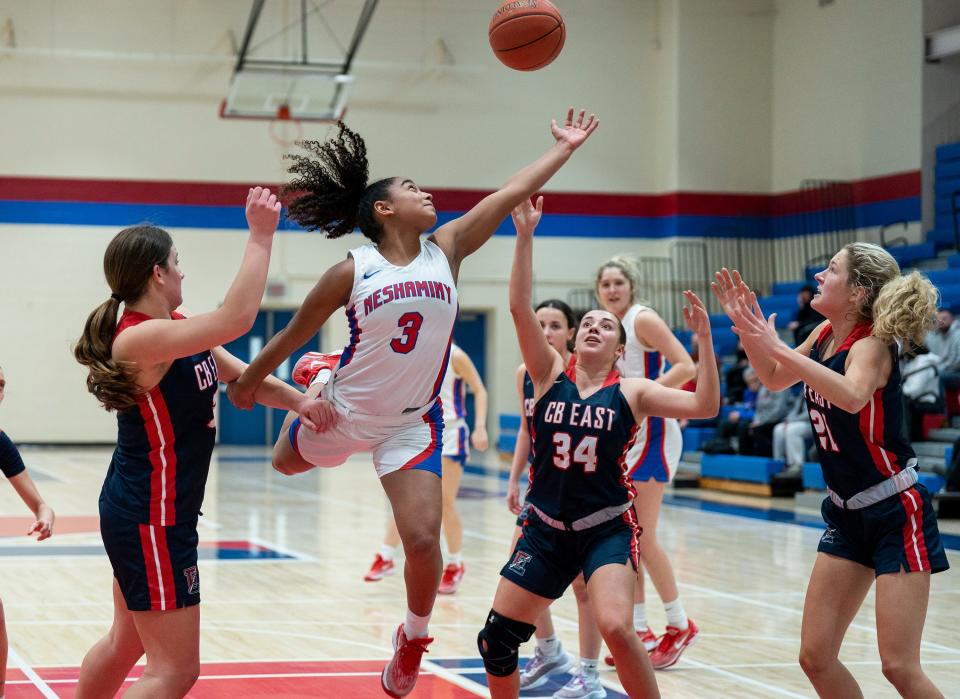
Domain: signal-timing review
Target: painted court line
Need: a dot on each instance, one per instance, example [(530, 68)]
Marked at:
[(34, 678)]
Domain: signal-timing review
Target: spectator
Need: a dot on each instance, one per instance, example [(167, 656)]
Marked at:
[(944, 341), (793, 437), (921, 388), (807, 318), (756, 436)]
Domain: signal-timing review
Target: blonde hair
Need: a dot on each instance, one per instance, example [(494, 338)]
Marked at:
[(628, 267), (901, 307)]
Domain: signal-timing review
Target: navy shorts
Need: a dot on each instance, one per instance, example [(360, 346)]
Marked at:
[(546, 560), (899, 533), (155, 567)]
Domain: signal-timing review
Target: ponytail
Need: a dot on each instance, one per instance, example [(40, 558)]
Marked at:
[(111, 383)]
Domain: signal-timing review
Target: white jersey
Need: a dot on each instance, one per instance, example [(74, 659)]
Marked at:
[(401, 326), (453, 395), (638, 361), (659, 443)]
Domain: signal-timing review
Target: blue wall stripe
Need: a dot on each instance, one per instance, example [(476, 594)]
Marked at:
[(557, 225)]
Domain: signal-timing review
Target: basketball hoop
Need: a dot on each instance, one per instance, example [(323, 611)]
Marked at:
[(285, 130)]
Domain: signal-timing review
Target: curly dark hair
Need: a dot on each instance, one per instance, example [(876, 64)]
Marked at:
[(330, 190)]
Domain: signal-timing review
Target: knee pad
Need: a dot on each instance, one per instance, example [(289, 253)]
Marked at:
[(498, 642)]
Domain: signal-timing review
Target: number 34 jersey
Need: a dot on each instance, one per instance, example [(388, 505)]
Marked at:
[(580, 449), (401, 325), (858, 450)]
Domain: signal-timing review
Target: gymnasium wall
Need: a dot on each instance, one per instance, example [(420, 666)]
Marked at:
[(699, 99)]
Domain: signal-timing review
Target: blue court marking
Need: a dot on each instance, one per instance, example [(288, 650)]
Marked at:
[(950, 541), (472, 669)]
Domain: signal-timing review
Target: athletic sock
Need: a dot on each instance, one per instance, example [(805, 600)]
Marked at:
[(640, 616), (387, 552), (588, 667), (549, 646), (455, 558), (415, 626), (675, 614)]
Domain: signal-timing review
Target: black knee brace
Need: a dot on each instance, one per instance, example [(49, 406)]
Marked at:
[(498, 642)]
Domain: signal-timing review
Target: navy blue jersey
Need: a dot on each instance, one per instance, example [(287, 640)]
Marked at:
[(528, 393), (10, 462), (858, 450), (580, 447), (159, 468)]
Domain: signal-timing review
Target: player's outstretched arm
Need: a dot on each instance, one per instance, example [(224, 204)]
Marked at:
[(27, 490), (521, 451), (733, 294), (329, 294), (159, 340), (868, 363), (542, 361), (464, 368), (317, 415), (464, 235), (651, 398)]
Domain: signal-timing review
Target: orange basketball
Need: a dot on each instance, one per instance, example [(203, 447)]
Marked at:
[(526, 34)]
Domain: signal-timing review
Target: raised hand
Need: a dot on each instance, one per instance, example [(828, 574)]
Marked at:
[(753, 330), (696, 316), (729, 289), (574, 131), (263, 212), (526, 217)]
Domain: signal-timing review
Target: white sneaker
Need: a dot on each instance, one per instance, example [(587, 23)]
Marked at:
[(581, 686), (540, 667)]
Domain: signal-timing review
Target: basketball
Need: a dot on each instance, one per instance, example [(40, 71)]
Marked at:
[(526, 34)]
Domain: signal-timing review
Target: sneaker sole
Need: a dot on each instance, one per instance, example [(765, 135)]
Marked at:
[(688, 644), (542, 680), (387, 691), (368, 578), (448, 590)]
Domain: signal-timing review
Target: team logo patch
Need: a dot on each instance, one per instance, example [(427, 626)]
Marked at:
[(193, 580), (828, 536), (519, 563)]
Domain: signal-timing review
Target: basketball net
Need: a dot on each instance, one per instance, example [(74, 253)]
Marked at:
[(285, 130)]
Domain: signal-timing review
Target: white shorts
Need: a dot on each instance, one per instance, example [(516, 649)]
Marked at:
[(656, 453), (404, 442), (456, 442)]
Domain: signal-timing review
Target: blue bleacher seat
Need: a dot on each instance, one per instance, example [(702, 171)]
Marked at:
[(813, 476), (734, 467), (932, 482), (782, 288), (695, 437), (509, 428), (942, 277)]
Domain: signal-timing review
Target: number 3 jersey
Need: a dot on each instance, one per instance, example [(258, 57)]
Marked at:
[(580, 449), (858, 450), (401, 325)]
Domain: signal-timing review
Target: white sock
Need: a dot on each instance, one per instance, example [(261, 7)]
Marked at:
[(640, 616), (415, 626), (323, 376), (387, 552), (675, 614), (454, 558), (549, 646), (588, 667)]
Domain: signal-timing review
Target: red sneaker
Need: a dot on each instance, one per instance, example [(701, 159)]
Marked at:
[(400, 674), (647, 638), (452, 575), (672, 644), (311, 364), (380, 569)]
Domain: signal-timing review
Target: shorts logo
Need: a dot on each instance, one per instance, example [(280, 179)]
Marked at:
[(519, 563), (828, 536), (193, 580)]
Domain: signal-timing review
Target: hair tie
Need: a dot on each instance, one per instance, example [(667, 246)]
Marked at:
[(117, 297)]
